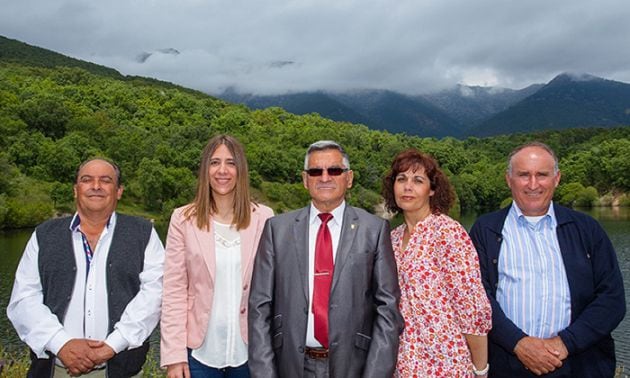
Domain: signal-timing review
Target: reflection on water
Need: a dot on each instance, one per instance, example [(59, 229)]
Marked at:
[(616, 222)]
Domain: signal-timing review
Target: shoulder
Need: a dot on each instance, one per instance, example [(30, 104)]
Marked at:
[(289, 217), (125, 220), (364, 217), (566, 215), (261, 210), (493, 220), (54, 223)]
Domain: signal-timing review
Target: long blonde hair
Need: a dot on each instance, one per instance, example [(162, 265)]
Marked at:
[(204, 204)]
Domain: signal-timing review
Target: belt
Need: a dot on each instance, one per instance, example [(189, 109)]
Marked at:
[(316, 353)]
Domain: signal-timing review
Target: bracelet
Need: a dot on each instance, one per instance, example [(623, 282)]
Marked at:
[(481, 372)]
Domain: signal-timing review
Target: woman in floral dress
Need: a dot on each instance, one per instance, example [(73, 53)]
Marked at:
[(447, 314)]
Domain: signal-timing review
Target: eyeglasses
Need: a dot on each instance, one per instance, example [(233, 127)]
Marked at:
[(332, 171)]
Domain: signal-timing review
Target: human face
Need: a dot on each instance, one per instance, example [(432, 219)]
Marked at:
[(412, 192), (222, 172), (327, 192), (533, 180), (96, 191)]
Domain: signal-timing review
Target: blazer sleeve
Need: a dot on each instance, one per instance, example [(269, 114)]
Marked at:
[(260, 349), (175, 296), (388, 323), (504, 332)]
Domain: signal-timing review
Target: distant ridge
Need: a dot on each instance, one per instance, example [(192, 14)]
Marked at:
[(567, 101), (13, 51)]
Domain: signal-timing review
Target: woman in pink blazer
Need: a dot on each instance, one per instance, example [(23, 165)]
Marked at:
[(210, 251)]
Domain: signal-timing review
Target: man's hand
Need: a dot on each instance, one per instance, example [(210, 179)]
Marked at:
[(101, 352), (178, 370), (557, 345), (538, 355), (75, 356)]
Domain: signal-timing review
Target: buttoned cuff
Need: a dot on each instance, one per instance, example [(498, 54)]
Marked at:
[(56, 343), (117, 342)]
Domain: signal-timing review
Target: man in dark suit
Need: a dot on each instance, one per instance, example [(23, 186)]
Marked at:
[(316, 315), (552, 277)]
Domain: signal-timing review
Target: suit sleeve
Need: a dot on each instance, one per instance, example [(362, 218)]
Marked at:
[(261, 356), (388, 323), (504, 332)]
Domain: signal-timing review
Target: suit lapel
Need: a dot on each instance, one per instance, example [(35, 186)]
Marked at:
[(300, 237), (205, 246), (349, 229)]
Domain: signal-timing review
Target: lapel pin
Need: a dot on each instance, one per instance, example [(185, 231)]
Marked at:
[(352, 226)]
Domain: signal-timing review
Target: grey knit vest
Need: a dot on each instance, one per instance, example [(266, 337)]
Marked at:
[(125, 262)]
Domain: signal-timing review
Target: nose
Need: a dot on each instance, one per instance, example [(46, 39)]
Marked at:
[(326, 176), (223, 167), (532, 182)]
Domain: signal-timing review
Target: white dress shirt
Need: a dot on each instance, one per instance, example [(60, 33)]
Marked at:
[(223, 345), (87, 315), (334, 225)]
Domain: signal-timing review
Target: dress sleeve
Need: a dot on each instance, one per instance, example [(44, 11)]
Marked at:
[(462, 276)]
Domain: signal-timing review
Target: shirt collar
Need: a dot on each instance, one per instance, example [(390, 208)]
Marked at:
[(337, 213), (549, 217), (76, 222)]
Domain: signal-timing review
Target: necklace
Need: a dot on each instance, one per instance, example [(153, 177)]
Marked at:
[(224, 242)]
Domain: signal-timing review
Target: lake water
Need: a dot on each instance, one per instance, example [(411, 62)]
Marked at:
[(616, 222)]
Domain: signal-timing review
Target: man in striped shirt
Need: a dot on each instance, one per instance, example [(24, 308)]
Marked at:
[(552, 277)]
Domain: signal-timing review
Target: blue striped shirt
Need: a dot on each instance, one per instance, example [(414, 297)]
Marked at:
[(533, 290)]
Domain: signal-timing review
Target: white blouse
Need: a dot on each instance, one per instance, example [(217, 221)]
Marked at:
[(223, 345)]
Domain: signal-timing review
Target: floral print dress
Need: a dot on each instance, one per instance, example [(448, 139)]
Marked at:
[(442, 298)]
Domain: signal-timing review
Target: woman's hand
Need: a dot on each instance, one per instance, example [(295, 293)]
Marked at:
[(178, 370)]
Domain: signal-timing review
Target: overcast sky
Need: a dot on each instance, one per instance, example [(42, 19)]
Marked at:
[(273, 46)]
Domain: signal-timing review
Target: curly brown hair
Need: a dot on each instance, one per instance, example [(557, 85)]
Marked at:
[(444, 195)]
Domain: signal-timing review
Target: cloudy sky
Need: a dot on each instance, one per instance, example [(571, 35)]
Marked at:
[(275, 46)]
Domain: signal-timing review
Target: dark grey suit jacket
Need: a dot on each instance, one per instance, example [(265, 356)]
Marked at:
[(364, 320)]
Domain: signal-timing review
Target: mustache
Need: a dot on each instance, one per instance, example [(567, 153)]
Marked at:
[(91, 192)]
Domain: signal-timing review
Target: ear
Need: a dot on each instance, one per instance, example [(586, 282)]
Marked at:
[(305, 179), (74, 190), (507, 180), (557, 179), (350, 178), (119, 192)]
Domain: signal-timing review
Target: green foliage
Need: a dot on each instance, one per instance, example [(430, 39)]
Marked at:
[(51, 119)]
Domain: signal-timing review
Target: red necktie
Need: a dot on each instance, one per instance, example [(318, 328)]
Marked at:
[(323, 279)]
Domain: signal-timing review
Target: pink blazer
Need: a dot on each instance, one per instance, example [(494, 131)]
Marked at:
[(189, 270)]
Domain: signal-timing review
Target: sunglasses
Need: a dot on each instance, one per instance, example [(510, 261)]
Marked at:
[(332, 171)]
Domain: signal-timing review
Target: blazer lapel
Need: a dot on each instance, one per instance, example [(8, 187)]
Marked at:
[(248, 249), (349, 229), (300, 237), (205, 246)]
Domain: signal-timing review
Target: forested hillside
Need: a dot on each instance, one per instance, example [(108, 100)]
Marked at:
[(53, 118)]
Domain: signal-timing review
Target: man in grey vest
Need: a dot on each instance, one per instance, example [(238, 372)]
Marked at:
[(87, 291)]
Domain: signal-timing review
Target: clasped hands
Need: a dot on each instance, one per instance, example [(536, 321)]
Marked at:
[(541, 356), (79, 356)]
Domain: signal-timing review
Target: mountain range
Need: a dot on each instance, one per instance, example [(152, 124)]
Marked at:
[(567, 101)]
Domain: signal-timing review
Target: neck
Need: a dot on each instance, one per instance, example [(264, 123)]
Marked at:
[(327, 207), (225, 209), (413, 217), (94, 222)]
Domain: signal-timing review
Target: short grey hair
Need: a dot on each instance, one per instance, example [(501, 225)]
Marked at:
[(322, 145), (532, 144)]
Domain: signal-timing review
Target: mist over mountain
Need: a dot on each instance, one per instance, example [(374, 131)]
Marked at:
[(567, 101)]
